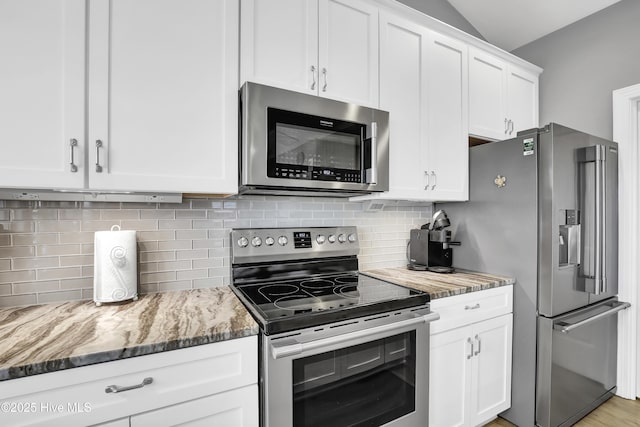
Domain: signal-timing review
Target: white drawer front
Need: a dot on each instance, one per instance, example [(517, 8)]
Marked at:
[(78, 397), (473, 307)]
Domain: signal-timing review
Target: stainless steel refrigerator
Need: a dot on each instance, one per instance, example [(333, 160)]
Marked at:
[(543, 208)]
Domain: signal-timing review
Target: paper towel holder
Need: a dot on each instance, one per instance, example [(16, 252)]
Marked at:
[(115, 266)]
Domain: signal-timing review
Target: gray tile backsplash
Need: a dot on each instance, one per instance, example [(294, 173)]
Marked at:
[(46, 248)]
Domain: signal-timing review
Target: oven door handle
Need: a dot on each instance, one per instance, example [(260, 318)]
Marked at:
[(290, 347)]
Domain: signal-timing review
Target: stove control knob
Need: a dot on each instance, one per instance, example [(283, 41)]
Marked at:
[(332, 238), (321, 239), (282, 240), (269, 241), (256, 241), (352, 237), (342, 238), (243, 242)]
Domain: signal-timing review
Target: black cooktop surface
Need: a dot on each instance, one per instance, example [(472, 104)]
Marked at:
[(291, 304)]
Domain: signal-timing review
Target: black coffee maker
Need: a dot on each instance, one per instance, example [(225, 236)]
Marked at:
[(429, 247)]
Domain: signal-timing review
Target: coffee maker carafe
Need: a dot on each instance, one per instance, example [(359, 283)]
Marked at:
[(429, 247)]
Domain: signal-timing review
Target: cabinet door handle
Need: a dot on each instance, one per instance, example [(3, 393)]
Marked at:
[(98, 147), (470, 355), (73, 143), (313, 76), (510, 127), (472, 307), (324, 75), (118, 389), (506, 125), (435, 180), (477, 352), (426, 174)]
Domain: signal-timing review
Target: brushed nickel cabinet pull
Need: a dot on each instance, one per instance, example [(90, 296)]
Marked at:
[(477, 352), (506, 125), (313, 75), (73, 143), (426, 174), (98, 146), (324, 74), (470, 355), (472, 307), (119, 389), (435, 180)]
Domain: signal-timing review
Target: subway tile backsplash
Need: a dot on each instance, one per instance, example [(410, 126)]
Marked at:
[(46, 248)]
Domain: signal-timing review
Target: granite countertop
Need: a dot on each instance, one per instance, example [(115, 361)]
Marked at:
[(45, 338), (439, 285)]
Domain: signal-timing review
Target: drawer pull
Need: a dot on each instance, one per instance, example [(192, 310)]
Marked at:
[(470, 355), (118, 389), (472, 307)]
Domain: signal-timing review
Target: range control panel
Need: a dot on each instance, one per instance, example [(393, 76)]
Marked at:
[(274, 244)]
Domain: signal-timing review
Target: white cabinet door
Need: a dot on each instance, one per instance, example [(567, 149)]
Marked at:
[(163, 95), (487, 95), (491, 385), (42, 78), (348, 51), (522, 102), (321, 47), (447, 147), (503, 98), (238, 408), (403, 92), (449, 376), (279, 43), (470, 366)]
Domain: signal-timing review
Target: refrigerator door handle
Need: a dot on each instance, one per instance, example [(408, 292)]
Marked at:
[(592, 179), (566, 327)]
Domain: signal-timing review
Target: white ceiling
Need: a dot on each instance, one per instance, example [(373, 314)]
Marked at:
[(510, 24)]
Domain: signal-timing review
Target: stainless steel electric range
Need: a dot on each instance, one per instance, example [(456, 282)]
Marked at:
[(336, 347)]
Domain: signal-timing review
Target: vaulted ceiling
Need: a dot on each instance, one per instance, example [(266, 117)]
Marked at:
[(510, 24)]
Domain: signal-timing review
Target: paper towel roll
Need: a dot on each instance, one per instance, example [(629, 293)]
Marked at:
[(115, 275)]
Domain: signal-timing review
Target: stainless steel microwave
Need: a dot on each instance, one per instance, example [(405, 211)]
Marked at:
[(294, 143)]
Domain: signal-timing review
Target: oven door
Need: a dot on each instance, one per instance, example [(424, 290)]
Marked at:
[(349, 375)]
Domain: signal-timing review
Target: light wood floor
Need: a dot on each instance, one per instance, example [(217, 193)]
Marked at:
[(615, 412)]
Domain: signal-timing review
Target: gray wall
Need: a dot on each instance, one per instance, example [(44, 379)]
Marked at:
[(442, 10), (583, 63)]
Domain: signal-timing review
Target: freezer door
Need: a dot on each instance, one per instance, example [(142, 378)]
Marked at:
[(576, 363)]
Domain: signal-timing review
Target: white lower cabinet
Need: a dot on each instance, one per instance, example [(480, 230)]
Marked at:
[(232, 408), (470, 363), (213, 382)]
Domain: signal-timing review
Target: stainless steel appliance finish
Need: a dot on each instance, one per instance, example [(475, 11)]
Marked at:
[(293, 143), (337, 348), (543, 209)]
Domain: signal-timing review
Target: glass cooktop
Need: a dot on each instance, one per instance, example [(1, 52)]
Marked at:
[(291, 304)]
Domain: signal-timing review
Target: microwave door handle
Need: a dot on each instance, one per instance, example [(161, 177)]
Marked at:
[(372, 173)]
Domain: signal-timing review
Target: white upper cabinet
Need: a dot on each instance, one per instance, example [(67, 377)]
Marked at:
[(403, 92), (163, 101), (42, 80), (348, 51), (322, 47), (159, 108), (279, 43), (447, 146), (503, 98), (423, 85)]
